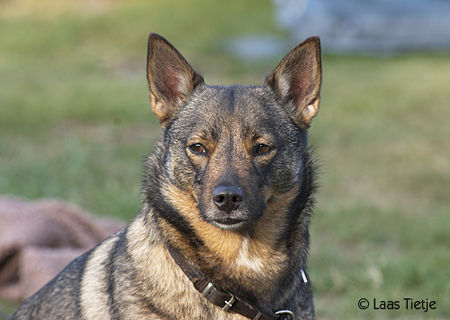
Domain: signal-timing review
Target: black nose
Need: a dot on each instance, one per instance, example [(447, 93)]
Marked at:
[(227, 198)]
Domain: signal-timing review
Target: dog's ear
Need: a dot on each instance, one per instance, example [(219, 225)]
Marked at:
[(171, 79), (296, 81)]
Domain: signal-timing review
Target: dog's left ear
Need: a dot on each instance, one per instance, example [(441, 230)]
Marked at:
[(297, 79), (171, 79)]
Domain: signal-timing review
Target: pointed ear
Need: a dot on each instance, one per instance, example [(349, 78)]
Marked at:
[(296, 81), (171, 79)]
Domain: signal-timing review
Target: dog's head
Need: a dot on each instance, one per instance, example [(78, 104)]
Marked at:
[(234, 149)]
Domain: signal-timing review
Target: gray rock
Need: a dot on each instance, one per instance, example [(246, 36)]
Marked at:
[(257, 47), (368, 26)]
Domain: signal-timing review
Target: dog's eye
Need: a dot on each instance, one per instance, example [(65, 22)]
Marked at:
[(198, 148), (262, 149)]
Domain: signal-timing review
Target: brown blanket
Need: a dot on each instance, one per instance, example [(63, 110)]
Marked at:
[(38, 239)]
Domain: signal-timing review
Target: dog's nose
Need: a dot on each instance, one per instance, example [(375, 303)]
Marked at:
[(227, 198)]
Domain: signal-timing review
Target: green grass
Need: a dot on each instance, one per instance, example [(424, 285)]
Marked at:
[(75, 122)]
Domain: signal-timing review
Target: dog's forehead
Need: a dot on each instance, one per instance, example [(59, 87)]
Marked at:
[(242, 112), (233, 104)]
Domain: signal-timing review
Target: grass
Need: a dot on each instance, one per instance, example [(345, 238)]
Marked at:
[(75, 122)]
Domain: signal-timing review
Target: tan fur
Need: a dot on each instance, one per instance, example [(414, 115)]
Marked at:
[(239, 251), (310, 111), (158, 109), (274, 218), (224, 243), (164, 283), (259, 256), (94, 300)]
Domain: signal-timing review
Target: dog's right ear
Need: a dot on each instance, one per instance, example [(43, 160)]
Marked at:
[(171, 79)]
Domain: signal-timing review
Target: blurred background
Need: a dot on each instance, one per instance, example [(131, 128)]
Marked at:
[(75, 122)]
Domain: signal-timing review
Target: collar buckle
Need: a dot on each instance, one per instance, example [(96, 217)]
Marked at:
[(229, 303)]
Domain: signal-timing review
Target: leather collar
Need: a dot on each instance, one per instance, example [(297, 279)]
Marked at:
[(224, 300)]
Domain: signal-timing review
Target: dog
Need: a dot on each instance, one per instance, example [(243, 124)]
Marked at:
[(223, 232)]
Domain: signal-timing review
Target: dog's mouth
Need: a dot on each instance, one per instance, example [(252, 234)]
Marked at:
[(228, 223)]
